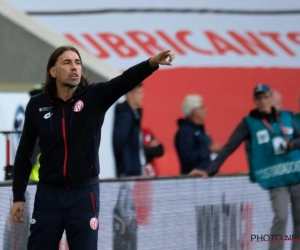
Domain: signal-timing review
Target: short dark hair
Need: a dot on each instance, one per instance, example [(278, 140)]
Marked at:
[(50, 82)]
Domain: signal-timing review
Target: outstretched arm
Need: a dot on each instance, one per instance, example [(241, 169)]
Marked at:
[(239, 135), (295, 142), (106, 93)]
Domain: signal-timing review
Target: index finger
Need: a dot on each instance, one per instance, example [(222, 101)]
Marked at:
[(166, 51)]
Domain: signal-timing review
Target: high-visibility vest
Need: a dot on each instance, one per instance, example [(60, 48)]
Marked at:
[(35, 169)]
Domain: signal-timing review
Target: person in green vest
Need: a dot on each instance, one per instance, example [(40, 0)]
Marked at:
[(34, 175), (272, 146)]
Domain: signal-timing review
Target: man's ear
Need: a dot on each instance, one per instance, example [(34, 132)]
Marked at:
[(52, 72)]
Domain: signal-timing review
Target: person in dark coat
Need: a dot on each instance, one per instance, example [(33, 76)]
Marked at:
[(129, 149), (191, 140), (67, 118)]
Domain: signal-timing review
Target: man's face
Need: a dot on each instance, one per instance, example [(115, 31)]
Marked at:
[(200, 113), (277, 100), (263, 101), (137, 96), (67, 69)]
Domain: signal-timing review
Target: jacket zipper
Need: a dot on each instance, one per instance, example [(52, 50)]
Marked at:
[(93, 203), (65, 147)]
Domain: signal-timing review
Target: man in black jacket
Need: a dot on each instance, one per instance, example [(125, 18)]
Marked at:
[(129, 150), (68, 118), (191, 140)]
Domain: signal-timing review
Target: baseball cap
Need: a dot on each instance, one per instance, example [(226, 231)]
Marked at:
[(261, 88)]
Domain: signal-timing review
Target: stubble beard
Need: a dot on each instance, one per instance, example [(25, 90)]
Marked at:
[(70, 85)]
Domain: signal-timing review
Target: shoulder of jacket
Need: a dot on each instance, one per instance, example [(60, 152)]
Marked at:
[(186, 128), (39, 97), (123, 107), (39, 101)]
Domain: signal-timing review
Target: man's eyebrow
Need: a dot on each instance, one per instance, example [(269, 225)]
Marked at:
[(69, 60)]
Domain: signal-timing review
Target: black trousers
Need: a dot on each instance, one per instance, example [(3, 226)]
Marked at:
[(57, 209)]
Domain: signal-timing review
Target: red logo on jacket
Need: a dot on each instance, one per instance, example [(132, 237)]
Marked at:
[(78, 106)]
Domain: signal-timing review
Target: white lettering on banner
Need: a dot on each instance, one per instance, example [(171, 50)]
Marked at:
[(278, 170), (238, 43), (205, 33)]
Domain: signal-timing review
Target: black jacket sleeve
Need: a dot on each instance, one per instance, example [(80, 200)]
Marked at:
[(106, 93), (239, 135), (23, 162)]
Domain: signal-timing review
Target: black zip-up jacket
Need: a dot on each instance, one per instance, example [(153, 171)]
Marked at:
[(191, 146), (126, 140), (70, 132)]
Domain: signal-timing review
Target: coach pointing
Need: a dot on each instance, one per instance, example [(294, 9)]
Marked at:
[(68, 118)]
